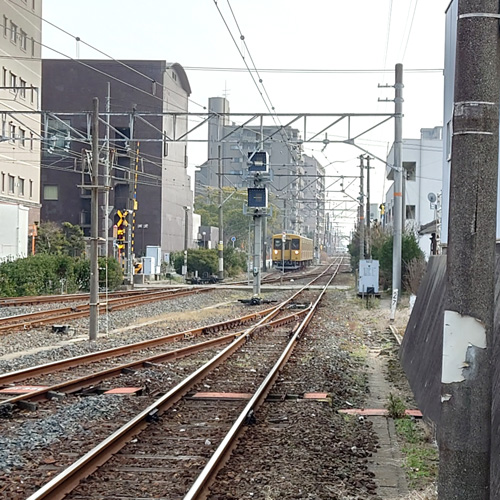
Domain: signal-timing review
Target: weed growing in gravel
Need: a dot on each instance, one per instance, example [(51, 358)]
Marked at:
[(421, 457), (395, 406)]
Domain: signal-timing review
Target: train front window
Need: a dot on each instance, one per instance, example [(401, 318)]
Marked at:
[(295, 244), (277, 243)]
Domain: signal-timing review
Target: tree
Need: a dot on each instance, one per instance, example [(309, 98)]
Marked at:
[(235, 222), (60, 240), (201, 260), (74, 244), (381, 247)]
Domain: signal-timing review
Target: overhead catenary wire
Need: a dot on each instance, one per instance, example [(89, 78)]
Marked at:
[(409, 30), (337, 71), (78, 39)]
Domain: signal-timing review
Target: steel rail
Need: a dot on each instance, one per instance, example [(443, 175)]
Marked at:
[(71, 386), (54, 366), (72, 297), (64, 482), (40, 318), (199, 490)]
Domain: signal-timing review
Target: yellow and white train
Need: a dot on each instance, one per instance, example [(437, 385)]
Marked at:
[(296, 252)]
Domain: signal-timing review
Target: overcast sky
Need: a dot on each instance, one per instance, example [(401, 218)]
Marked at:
[(279, 34)]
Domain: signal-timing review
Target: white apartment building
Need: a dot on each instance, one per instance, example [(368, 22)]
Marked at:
[(449, 97), (20, 82), (422, 183)]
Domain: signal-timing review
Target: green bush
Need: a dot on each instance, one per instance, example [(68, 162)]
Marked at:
[(207, 261), (381, 248), (235, 261), (43, 274), (202, 260)]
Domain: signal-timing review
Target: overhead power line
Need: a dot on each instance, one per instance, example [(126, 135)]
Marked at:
[(313, 70)]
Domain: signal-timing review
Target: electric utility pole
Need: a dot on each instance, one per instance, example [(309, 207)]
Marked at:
[(368, 211), (361, 209), (398, 182), (107, 186), (94, 227), (220, 248), (464, 431)]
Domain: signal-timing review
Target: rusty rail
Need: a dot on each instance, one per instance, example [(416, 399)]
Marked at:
[(64, 482)]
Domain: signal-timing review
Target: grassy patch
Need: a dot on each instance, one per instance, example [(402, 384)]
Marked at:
[(420, 455)]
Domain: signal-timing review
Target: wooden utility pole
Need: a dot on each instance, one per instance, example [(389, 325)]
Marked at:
[(94, 227), (464, 430)]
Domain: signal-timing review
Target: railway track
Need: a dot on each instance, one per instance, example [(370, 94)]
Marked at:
[(155, 426), (72, 297), (63, 314)]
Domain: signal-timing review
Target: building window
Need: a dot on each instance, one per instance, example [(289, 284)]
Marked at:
[(23, 38), (13, 81), (13, 32), (11, 184), (31, 141), (5, 30), (58, 136), (4, 76), (22, 137), (410, 168), (12, 132), (21, 186), (32, 97), (51, 193), (32, 47), (410, 212), (31, 188), (165, 144), (22, 92), (3, 182), (33, 4)]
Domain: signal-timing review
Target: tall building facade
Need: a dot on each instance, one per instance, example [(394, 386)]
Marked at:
[(287, 164), (147, 172), (314, 202), (20, 78)]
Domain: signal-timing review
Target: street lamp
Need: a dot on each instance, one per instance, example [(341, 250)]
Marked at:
[(142, 226)]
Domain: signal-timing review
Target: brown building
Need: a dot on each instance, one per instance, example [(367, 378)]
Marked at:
[(162, 188)]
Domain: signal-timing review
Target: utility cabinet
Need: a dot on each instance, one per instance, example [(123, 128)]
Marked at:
[(368, 277)]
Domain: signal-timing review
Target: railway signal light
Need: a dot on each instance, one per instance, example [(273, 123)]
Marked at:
[(257, 161)]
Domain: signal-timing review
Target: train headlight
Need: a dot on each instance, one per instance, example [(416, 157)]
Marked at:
[(296, 252), (276, 252)]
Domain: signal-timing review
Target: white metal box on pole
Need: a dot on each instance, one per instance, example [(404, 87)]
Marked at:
[(368, 276)]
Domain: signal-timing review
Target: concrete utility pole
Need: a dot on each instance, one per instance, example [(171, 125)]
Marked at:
[(361, 209), (220, 248), (368, 211), (186, 228), (464, 431), (264, 244), (107, 186), (94, 227), (398, 181), (257, 219)]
